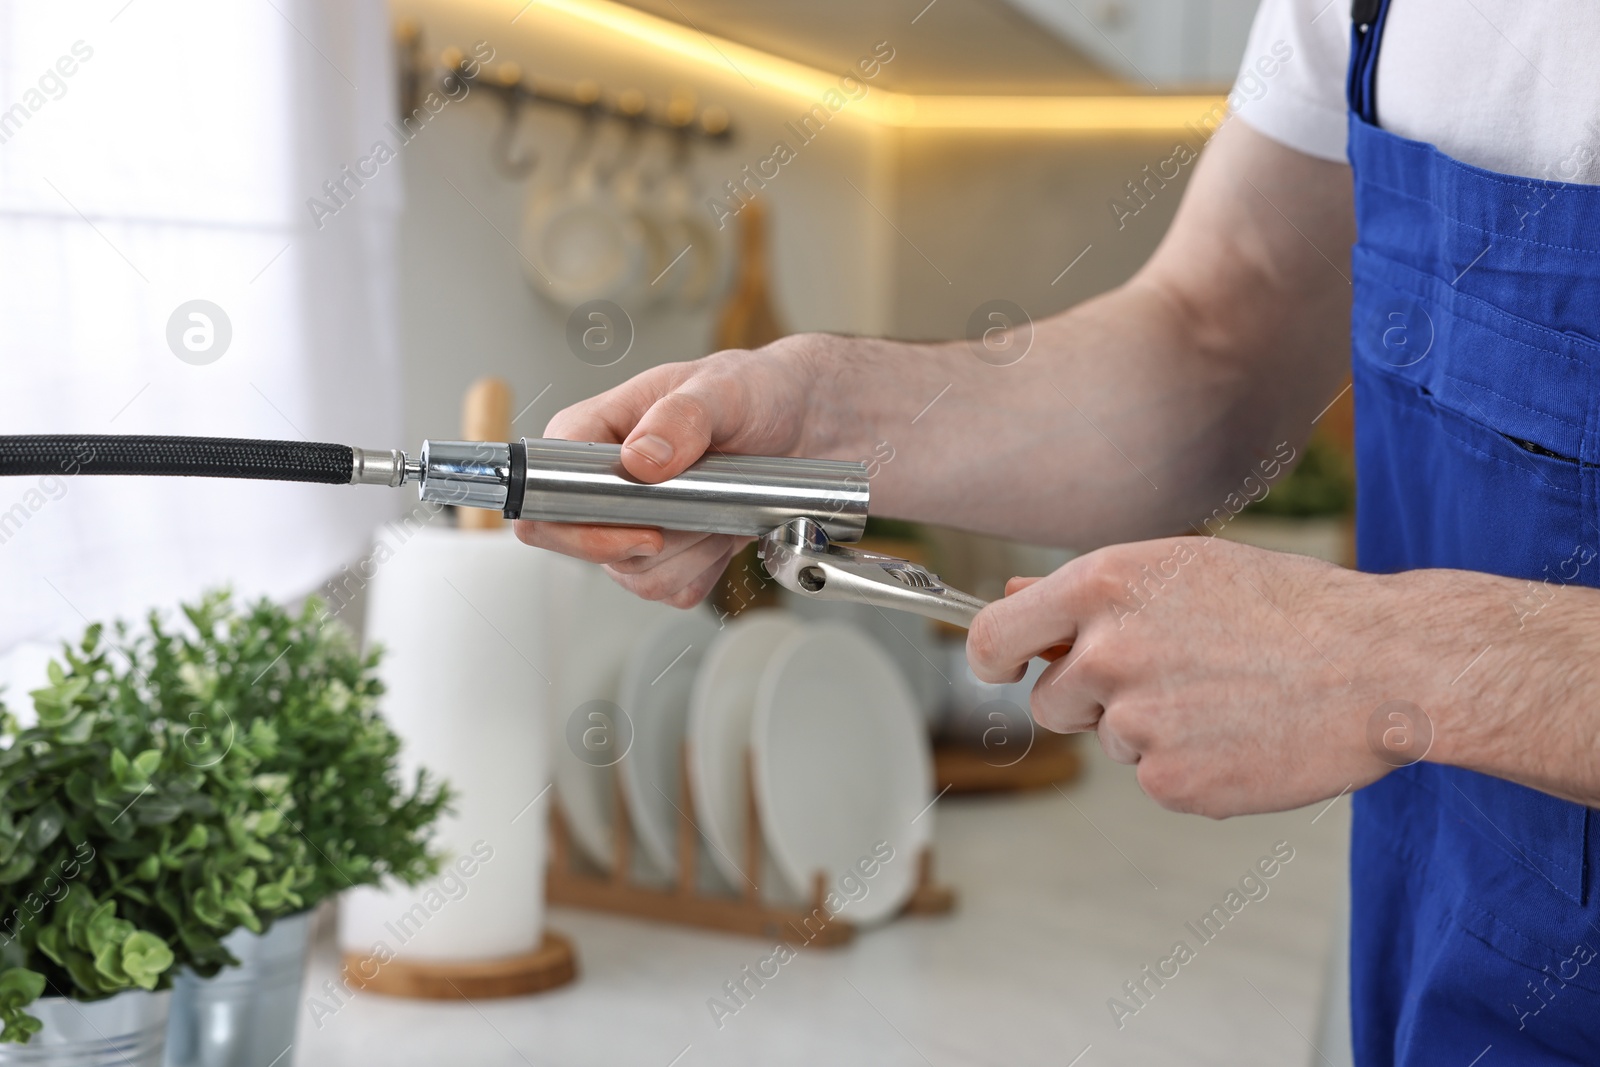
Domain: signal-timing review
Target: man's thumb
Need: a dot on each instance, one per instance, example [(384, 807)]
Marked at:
[(672, 434)]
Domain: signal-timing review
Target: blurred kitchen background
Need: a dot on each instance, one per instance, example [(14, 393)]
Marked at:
[(377, 207)]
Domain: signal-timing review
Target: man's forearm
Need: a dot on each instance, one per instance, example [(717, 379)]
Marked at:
[(1105, 431), (1116, 426), (1135, 413)]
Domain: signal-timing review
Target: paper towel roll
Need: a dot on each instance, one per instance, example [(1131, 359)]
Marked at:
[(462, 616)]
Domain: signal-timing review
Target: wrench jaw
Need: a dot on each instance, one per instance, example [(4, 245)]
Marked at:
[(799, 557)]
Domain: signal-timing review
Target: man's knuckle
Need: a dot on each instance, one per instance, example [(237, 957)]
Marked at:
[(687, 409), (645, 586), (1047, 708), (685, 598), (985, 641), (1062, 711), (1134, 723), (1111, 745), (1094, 667), (632, 565), (1099, 578), (1164, 785)]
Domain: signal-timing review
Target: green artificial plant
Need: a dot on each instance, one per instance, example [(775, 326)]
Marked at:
[(131, 842), (184, 782), (302, 674)]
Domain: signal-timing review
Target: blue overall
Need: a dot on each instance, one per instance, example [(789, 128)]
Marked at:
[(1476, 357)]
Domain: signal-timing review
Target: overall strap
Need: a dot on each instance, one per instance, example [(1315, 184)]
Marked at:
[(1367, 18)]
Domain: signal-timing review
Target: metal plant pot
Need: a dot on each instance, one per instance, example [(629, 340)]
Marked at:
[(245, 1015), (127, 1030)]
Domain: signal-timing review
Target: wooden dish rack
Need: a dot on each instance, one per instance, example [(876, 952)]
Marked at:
[(684, 902)]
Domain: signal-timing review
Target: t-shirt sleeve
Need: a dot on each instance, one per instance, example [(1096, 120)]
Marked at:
[(1291, 83)]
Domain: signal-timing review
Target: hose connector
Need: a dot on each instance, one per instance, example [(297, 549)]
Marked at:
[(374, 466)]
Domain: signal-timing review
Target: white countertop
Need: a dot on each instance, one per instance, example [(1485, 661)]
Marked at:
[(1063, 898)]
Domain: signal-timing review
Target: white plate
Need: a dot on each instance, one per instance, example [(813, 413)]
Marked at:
[(721, 706), (596, 622), (656, 680), (910, 640), (842, 769)]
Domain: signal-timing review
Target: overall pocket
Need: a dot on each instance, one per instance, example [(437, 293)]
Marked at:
[(1475, 452)]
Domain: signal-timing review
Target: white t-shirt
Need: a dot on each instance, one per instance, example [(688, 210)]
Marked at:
[(1508, 85)]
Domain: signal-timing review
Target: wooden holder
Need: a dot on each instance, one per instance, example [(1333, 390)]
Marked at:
[(684, 902), (748, 319), (1052, 760), (552, 964), (485, 416)]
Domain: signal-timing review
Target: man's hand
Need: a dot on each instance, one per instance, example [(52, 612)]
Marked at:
[(1241, 680), (666, 418)]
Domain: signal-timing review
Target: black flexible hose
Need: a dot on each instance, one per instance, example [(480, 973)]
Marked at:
[(193, 457)]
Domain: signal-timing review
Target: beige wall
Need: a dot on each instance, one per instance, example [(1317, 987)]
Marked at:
[(1001, 214)]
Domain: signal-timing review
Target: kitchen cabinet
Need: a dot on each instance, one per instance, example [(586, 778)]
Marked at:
[(1161, 44)]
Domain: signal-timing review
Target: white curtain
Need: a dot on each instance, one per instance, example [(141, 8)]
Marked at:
[(155, 152)]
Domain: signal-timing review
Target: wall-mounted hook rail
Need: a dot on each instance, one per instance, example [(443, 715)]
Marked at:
[(680, 114)]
